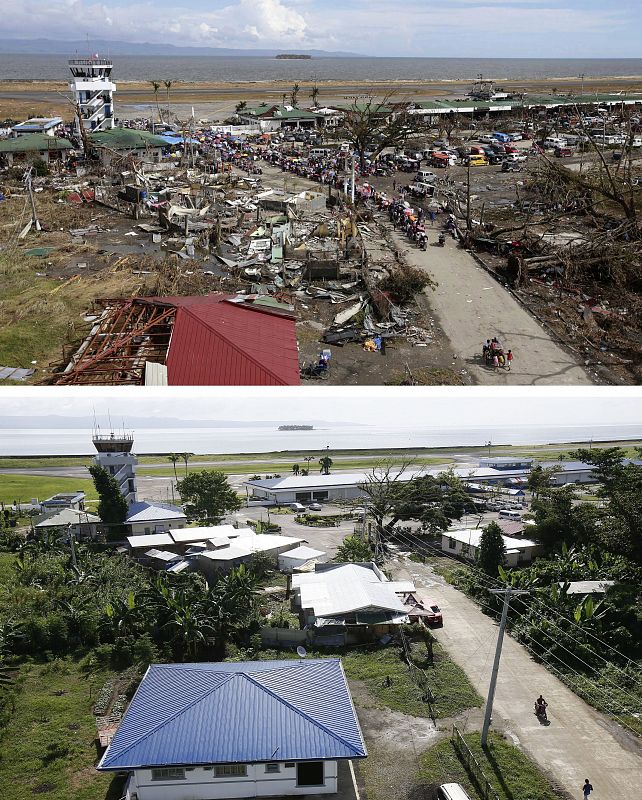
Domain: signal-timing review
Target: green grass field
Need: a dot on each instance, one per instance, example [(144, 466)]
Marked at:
[(49, 744), (513, 775), (23, 488)]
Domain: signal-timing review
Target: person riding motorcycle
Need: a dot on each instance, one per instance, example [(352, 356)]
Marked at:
[(540, 707)]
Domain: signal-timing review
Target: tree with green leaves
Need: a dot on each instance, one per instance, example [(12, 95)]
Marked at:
[(174, 458), (540, 478), (354, 549), (112, 505), (326, 462), (207, 496), (492, 550), (186, 457), (560, 519), (240, 106)]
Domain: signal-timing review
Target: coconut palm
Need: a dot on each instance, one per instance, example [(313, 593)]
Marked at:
[(314, 94), (186, 457), (156, 86), (168, 86), (174, 458), (295, 93)]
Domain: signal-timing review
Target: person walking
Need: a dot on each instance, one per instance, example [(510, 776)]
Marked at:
[(587, 788), (509, 358)]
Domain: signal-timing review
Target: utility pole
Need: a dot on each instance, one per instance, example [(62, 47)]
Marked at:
[(72, 544), (468, 198), (508, 593)]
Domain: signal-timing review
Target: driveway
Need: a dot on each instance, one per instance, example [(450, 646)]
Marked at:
[(579, 743)]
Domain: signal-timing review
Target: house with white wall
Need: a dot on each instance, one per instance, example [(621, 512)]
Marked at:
[(465, 544), (228, 730)]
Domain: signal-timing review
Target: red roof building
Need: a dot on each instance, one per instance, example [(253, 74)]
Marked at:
[(211, 340)]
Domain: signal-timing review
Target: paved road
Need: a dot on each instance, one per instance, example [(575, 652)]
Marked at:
[(472, 307), (579, 743)]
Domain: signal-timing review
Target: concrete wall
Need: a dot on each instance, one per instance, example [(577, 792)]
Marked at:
[(155, 526), (200, 783)]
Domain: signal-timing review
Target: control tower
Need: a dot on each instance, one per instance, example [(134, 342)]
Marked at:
[(93, 92), (114, 455)]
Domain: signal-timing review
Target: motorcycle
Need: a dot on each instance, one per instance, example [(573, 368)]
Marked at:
[(540, 712)]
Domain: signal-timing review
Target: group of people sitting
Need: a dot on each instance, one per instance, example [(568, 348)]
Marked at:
[(494, 354)]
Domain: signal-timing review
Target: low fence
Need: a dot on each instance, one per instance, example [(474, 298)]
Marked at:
[(473, 766), (284, 637)]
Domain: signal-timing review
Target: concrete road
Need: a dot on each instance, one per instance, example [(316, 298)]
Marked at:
[(472, 307), (579, 743)]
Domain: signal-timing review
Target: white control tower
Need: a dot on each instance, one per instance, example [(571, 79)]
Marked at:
[(114, 455), (93, 91)]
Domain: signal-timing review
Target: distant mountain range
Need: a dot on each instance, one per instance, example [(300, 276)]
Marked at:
[(53, 421), (105, 47)]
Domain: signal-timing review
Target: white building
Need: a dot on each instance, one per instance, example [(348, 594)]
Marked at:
[(145, 518), (45, 125), (228, 730), (115, 456), (93, 92), (465, 543), (64, 500), (351, 595), (82, 524), (299, 558), (223, 553)]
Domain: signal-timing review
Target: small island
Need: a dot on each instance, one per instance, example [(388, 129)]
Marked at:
[(296, 427), (293, 55)]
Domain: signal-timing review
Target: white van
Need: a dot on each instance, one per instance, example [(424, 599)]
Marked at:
[(425, 176), (319, 152), (507, 513), (551, 142), (452, 791)]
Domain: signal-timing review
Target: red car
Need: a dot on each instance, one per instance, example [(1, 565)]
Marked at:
[(434, 616), (510, 149)]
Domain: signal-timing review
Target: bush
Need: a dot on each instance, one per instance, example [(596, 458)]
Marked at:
[(405, 282)]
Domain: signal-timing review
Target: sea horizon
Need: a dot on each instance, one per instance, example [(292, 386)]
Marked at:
[(224, 441)]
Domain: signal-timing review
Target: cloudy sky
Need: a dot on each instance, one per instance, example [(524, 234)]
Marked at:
[(457, 28), (372, 406)]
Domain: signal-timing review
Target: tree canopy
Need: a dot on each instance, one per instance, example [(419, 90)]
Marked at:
[(354, 549), (492, 550), (112, 505), (207, 496)]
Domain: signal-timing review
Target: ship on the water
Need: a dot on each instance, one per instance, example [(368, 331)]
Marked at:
[(296, 427)]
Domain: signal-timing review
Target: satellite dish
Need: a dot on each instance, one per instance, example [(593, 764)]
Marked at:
[(301, 651)]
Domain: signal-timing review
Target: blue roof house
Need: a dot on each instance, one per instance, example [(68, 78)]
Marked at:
[(227, 730)]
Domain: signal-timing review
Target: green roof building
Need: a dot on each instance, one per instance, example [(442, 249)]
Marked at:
[(33, 146)]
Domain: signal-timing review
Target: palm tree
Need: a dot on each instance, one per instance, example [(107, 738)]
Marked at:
[(241, 106), (314, 94), (326, 462), (186, 457), (283, 98), (168, 86), (295, 93), (174, 457), (156, 86)]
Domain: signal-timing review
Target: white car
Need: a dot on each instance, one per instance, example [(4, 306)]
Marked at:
[(516, 136), (486, 138), (314, 507), (516, 157)]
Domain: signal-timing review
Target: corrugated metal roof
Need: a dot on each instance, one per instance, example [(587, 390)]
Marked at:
[(344, 589), (34, 142), (257, 711), (153, 512), (150, 540), (303, 552), (155, 374), (218, 343), (66, 516)]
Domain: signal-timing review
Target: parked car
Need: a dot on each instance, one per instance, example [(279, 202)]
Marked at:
[(497, 158), (511, 166), (511, 149), (314, 507), (563, 152), (359, 512), (298, 507), (435, 617), (516, 136), (516, 156), (486, 138)]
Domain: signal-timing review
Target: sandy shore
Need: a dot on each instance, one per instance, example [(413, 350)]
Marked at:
[(19, 99)]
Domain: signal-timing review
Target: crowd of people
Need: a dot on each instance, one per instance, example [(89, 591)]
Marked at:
[(495, 356)]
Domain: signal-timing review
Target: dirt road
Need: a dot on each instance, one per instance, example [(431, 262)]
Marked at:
[(472, 307), (579, 743)]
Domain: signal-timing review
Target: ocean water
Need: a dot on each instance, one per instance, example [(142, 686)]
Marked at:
[(258, 439), (260, 69)]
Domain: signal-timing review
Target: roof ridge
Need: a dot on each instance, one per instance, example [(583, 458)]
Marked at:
[(230, 343), (282, 700), (175, 715)]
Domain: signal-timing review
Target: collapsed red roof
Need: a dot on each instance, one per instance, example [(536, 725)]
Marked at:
[(218, 342)]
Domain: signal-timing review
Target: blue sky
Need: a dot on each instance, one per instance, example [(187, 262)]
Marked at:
[(456, 28)]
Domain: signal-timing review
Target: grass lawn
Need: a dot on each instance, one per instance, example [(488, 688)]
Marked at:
[(24, 487), (49, 744), (452, 689), (513, 775)]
